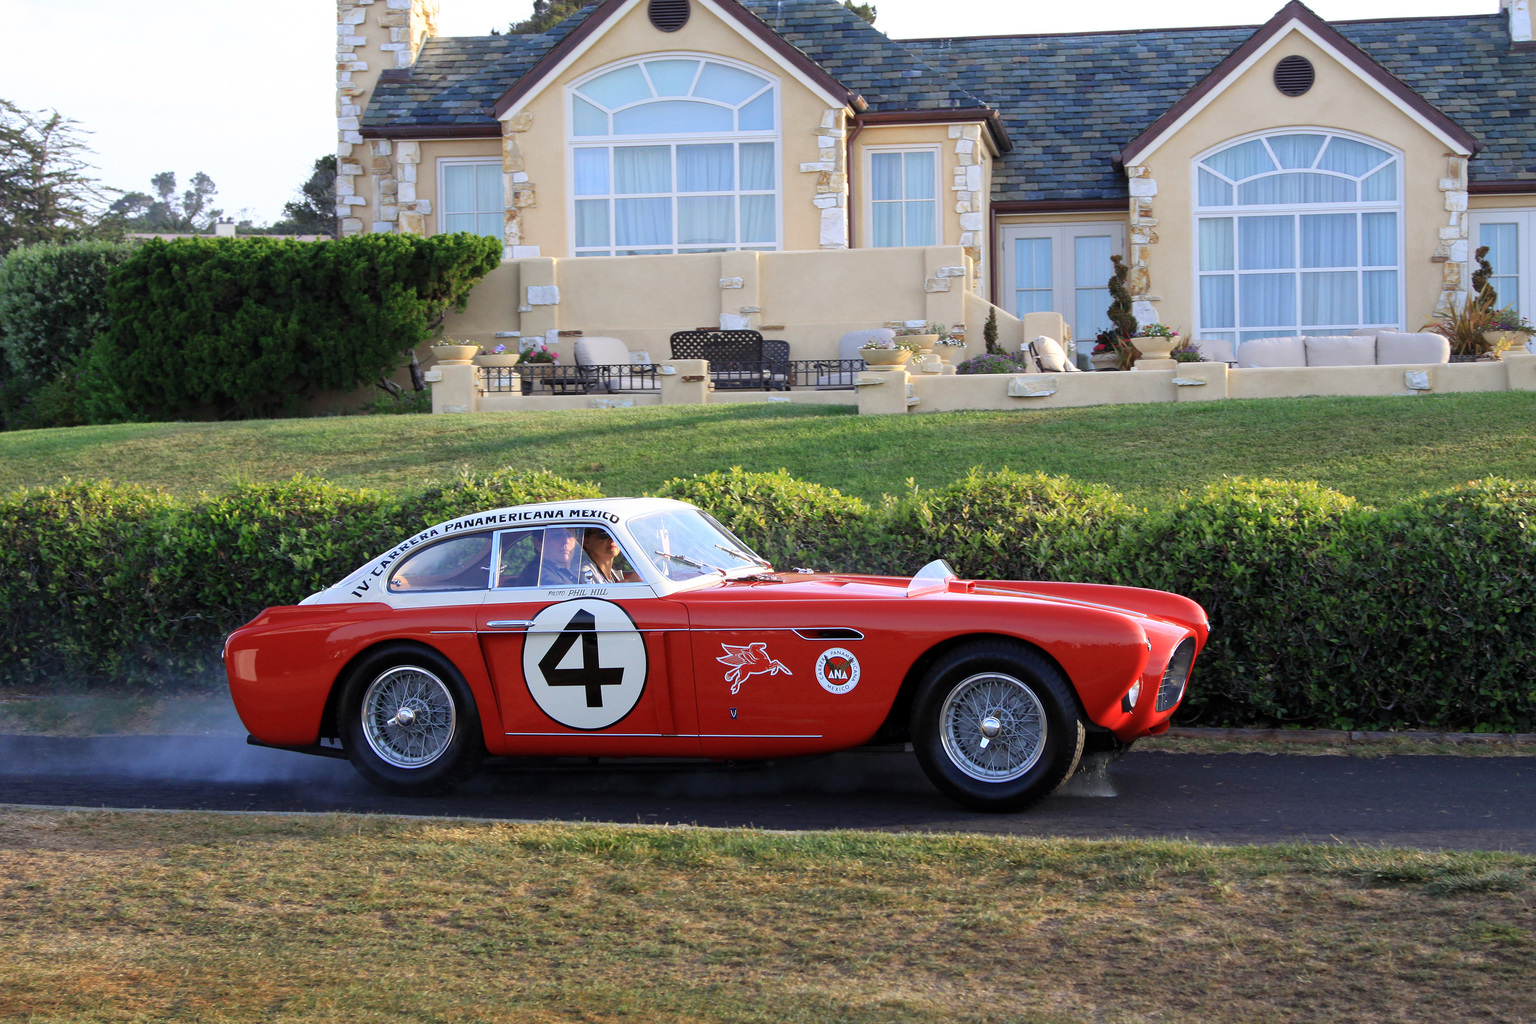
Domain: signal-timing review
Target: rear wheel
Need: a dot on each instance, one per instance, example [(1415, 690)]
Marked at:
[(996, 727), (409, 723)]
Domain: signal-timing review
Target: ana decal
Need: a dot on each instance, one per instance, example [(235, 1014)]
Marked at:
[(748, 661), (837, 670), (584, 662)]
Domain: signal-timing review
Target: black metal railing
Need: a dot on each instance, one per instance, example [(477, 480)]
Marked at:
[(553, 379), (763, 374)]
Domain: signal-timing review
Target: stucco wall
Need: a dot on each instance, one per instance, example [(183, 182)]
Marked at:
[(543, 146), (1339, 99), (809, 299)]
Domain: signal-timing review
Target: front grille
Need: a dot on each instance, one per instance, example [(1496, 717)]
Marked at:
[(1176, 675)]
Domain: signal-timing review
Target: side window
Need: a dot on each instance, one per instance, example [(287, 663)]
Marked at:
[(518, 565), (601, 559), (463, 563)]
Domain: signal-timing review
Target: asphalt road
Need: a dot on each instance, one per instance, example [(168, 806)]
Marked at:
[(1426, 802)]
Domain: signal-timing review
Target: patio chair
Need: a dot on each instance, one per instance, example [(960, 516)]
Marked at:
[(735, 357), (606, 365)]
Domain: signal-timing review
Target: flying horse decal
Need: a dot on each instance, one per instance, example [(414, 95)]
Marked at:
[(748, 661)]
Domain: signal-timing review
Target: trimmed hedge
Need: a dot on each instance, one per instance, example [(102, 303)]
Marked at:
[(219, 328), (1324, 612)]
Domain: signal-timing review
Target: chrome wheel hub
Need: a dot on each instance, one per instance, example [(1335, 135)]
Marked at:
[(408, 717), (993, 727)]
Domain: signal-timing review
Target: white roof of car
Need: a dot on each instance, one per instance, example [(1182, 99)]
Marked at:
[(614, 512)]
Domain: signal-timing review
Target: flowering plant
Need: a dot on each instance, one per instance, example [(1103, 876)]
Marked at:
[(498, 350), (994, 362), (1509, 319), (1156, 331), (928, 328), (539, 352), (1186, 352), (881, 343)]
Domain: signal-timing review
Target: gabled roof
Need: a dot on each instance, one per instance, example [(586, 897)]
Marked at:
[(457, 82), (1071, 103), (1298, 17)]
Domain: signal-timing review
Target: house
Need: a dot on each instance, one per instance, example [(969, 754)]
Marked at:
[(650, 164)]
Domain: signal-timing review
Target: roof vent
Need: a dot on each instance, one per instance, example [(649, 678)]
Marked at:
[(669, 15), (1293, 75)]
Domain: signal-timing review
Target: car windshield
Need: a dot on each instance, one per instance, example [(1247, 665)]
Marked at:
[(685, 543)]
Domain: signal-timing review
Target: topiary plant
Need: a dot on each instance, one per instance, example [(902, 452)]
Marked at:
[(1120, 300)]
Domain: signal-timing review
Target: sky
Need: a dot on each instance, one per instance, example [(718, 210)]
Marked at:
[(204, 85)]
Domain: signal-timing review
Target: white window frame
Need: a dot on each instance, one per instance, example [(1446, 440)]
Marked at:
[(574, 142), (1198, 213), (1063, 265), (1525, 217), (440, 208), (868, 177)]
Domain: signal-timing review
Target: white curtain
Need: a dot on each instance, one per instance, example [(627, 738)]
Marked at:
[(709, 168), (757, 218), (1296, 151), (1328, 240), (1218, 301), (1241, 161), (705, 220), (1266, 243), (1295, 187), (642, 169), (885, 178), (591, 171), (642, 222), (756, 166), (592, 222), (1330, 299), (1216, 244)]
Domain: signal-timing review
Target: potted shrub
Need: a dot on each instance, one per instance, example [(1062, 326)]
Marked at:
[(498, 356), (1465, 328), (887, 355), (1155, 341), (1186, 351), (994, 362), (1507, 328), (454, 352), (924, 337), (1116, 339)]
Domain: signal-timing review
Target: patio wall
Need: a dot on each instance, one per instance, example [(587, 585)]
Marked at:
[(809, 299), (1197, 382)]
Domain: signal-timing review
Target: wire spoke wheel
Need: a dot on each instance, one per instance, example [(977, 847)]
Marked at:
[(408, 717), (993, 727)]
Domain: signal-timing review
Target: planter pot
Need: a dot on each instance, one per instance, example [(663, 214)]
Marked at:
[(885, 358), (925, 342), (498, 359), (1104, 361), (1154, 348), (1500, 341), (455, 355)]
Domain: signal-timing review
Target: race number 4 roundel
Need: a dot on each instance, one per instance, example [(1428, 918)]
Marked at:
[(837, 670), (584, 662)]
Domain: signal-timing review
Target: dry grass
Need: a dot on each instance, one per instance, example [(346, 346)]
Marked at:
[(128, 917)]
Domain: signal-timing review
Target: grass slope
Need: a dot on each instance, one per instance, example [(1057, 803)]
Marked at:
[(1377, 449), (127, 917)]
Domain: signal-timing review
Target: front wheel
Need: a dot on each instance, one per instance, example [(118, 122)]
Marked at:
[(409, 723), (996, 727)]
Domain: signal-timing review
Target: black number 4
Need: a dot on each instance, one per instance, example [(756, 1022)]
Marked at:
[(583, 627)]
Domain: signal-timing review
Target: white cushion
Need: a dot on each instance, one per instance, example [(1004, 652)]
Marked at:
[(600, 351), (1053, 358), (1216, 350), (1422, 347), (849, 344), (1272, 352), (1341, 350)]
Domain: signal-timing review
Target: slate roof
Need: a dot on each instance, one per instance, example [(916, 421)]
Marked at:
[(1069, 102)]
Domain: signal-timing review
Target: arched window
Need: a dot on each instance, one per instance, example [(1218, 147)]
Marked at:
[(1298, 232), (674, 154)]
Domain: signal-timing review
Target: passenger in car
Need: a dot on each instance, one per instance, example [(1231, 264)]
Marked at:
[(600, 549)]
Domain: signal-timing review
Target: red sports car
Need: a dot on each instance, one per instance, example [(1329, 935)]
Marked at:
[(641, 628)]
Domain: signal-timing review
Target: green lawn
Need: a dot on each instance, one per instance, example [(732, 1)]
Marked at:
[(153, 916), (1378, 449)]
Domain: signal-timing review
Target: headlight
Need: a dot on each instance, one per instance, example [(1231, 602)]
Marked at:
[(1128, 702), (1176, 675)]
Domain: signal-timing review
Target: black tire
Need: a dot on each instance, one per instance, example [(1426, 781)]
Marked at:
[(436, 748), (996, 726)]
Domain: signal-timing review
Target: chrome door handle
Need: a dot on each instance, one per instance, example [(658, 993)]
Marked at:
[(509, 624)]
